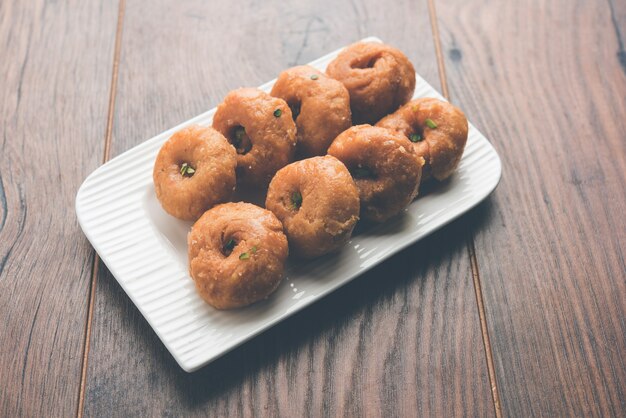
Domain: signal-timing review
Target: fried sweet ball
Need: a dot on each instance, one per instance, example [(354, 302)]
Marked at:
[(384, 166), (319, 104), (438, 131), (378, 77), (318, 203), (261, 129), (194, 170), (237, 253)]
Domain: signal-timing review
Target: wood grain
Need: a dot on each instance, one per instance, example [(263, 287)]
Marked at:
[(618, 21), (404, 339), (56, 64), (543, 80)]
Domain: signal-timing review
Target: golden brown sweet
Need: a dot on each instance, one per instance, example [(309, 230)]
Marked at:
[(194, 170), (261, 129), (319, 104), (384, 166), (438, 131), (237, 253), (378, 77), (318, 203)]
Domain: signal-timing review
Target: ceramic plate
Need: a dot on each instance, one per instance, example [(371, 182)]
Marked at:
[(145, 249)]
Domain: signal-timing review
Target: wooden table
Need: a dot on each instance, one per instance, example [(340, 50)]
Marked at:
[(516, 309)]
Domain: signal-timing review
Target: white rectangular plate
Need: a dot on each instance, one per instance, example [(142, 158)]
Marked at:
[(146, 250)]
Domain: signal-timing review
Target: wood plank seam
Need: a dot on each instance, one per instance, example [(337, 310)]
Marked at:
[(483, 324), (440, 64), (470, 239), (105, 158)]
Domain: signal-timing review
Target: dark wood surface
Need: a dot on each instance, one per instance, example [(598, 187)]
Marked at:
[(551, 94), (517, 309), (56, 69)]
